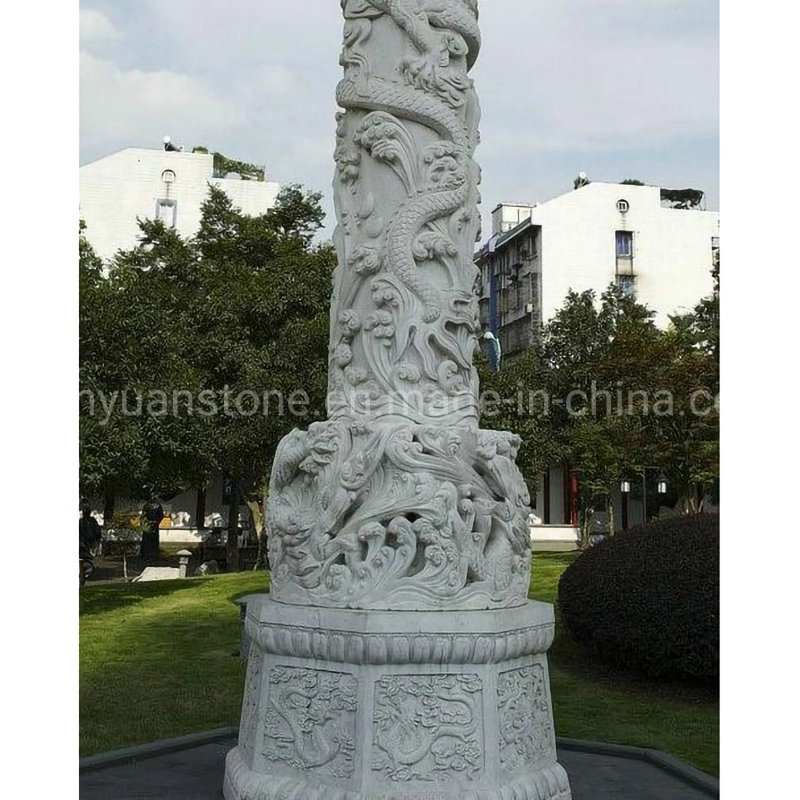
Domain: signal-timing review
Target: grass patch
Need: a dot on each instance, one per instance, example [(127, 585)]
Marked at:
[(162, 659)]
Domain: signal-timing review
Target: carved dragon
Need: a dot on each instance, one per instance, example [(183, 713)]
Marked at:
[(415, 718), (415, 102), (399, 501), (312, 706)]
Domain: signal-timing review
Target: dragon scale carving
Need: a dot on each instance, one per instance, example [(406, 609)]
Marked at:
[(399, 501)]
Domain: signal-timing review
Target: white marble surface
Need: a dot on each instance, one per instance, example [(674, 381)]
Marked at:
[(348, 704), (397, 656), (158, 574), (399, 501)]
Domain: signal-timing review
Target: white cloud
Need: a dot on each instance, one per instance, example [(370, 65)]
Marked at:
[(276, 80), (134, 107), (607, 83), (95, 26), (558, 81)]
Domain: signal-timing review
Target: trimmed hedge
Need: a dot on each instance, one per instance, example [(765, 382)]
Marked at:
[(647, 599)]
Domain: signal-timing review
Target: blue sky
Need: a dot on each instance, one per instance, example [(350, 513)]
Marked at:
[(615, 88)]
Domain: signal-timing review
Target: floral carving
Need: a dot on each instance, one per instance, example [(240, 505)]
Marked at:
[(310, 721), (428, 728), (526, 726)]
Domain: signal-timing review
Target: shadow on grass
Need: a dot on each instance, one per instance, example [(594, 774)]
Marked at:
[(564, 557), (262, 590), (579, 661), (101, 599)]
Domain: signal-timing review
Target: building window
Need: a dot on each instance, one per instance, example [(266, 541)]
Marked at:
[(624, 244), (715, 242), (627, 283), (168, 176), (623, 206), (167, 212)]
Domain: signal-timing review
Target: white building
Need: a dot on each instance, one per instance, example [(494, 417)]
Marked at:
[(156, 184), (170, 185), (588, 238)]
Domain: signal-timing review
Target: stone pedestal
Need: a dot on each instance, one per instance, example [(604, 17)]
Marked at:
[(348, 705)]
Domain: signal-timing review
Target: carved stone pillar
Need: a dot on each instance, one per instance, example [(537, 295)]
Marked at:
[(397, 655)]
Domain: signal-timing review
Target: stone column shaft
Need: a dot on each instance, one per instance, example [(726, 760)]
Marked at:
[(397, 655)]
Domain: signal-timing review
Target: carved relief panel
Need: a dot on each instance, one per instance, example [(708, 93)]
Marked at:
[(310, 721), (428, 728)]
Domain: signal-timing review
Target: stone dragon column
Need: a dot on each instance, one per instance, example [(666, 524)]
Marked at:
[(397, 655)]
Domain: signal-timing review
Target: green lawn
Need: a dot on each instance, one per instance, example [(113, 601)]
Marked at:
[(161, 659)]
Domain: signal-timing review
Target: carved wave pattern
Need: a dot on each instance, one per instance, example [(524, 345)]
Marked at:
[(398, 517), (404, 313), (400, 501)]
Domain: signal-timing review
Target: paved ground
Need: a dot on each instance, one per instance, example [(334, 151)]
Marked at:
[(196, 774)]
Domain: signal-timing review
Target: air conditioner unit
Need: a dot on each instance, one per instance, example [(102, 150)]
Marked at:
[(625, 267)]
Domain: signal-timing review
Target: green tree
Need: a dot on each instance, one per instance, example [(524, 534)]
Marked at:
[(689, 440), (686, 441), (700, 327), (595, 354), (263, 333), (134, 355), (606, 393), (515, 399), (238, 315)]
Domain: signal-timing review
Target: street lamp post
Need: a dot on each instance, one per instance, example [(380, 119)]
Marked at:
[(625, 489)]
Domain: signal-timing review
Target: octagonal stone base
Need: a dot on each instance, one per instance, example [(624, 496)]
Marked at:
[(355, 705)]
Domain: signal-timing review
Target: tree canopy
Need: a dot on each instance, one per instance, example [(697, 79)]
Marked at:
[(234, 318), (608, 393)]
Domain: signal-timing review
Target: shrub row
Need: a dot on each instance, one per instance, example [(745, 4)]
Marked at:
[(647, 599)]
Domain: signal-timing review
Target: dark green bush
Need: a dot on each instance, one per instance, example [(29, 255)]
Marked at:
[(648, 599)]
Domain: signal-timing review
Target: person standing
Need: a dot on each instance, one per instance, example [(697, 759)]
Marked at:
[(89, 531), (89, 536), (152, 514)]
